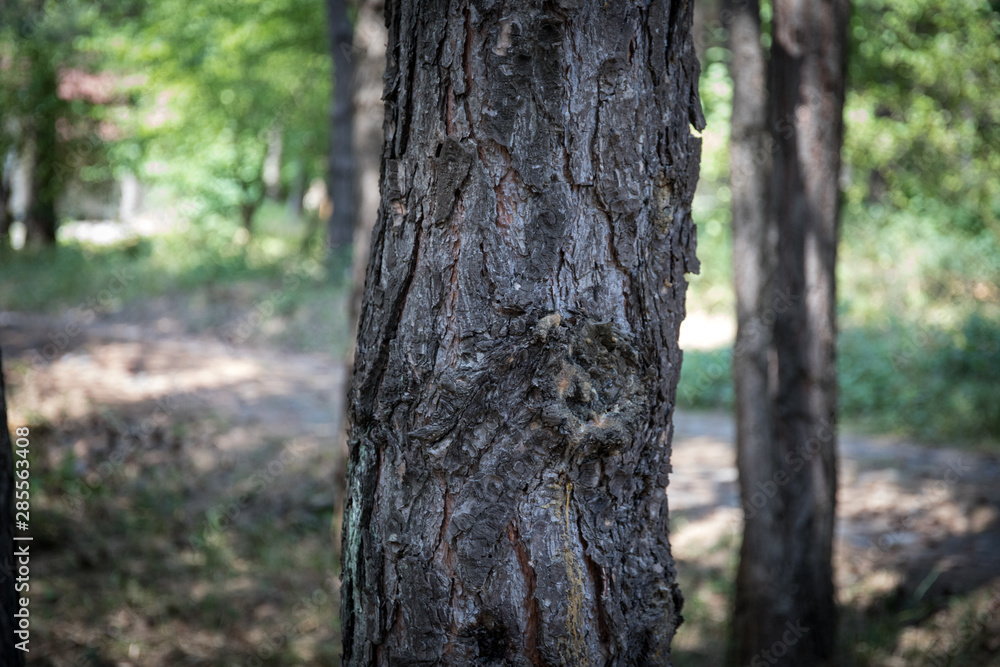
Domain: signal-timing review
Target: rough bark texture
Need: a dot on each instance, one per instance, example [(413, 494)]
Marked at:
[(517, 352), (342, 184), (785, 363), (10, 655)]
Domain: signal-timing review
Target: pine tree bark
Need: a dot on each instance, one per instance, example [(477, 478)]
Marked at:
[(8, 598), (785, 237), (342, 179), (517, 354)]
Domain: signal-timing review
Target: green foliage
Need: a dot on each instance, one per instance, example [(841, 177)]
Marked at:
[(37, 46), (937, 381), (706, 379), (923, 123), (934, 380), (75, 274), (711, 288), (200, 93), (222, 81)]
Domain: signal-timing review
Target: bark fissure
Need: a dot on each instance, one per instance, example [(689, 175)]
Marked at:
[(597, 577), (533, 626), (410, 80)]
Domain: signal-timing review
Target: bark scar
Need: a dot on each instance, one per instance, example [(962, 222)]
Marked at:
[(533, 629)]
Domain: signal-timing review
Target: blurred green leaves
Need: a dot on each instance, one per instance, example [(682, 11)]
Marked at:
[(225, 79), (198, 91), (922, 117)]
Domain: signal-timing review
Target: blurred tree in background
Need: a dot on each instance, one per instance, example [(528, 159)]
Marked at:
[(919, 257), (38, 121), (343, 167)]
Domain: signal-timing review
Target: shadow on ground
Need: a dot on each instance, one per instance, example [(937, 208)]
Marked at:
[(185, 494), (916, 563)]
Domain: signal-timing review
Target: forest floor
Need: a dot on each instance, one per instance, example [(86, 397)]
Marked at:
[(184, 492)]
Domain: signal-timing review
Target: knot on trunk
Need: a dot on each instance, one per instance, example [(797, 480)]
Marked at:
[(590, 389)]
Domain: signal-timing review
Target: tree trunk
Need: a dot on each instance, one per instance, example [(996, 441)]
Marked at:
[(517, 352), (45, 179), (754, 259), (370, 38), (296, 189), (40, 218), (785, 610), (5, 215), (247, 211), (271, 173), (342, 164), (368, 51), (8, 597)]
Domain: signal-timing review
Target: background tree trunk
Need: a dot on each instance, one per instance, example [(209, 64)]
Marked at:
[(342, 186), (754, 259), (517, 352), (785, 609), (8, 599), (5, 215), (40, 217), (370, 38), (46, 179)]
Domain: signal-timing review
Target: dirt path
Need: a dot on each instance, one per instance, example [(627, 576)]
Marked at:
[(212, 421), (931, 513)]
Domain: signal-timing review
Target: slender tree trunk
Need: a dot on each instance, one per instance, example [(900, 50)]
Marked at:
[(253, 194), (754, 260), (271, 173), (370, 38), (5, 216), (247, 211), (43, 183), (296, 189), (8, 597), (517, 352), (785, 607), (368, 49), (808, 64), (368, 52), (46, 179), (343, 168)]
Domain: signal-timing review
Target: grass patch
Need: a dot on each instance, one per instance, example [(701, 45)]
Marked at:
[(270, 290), (935, 382)]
